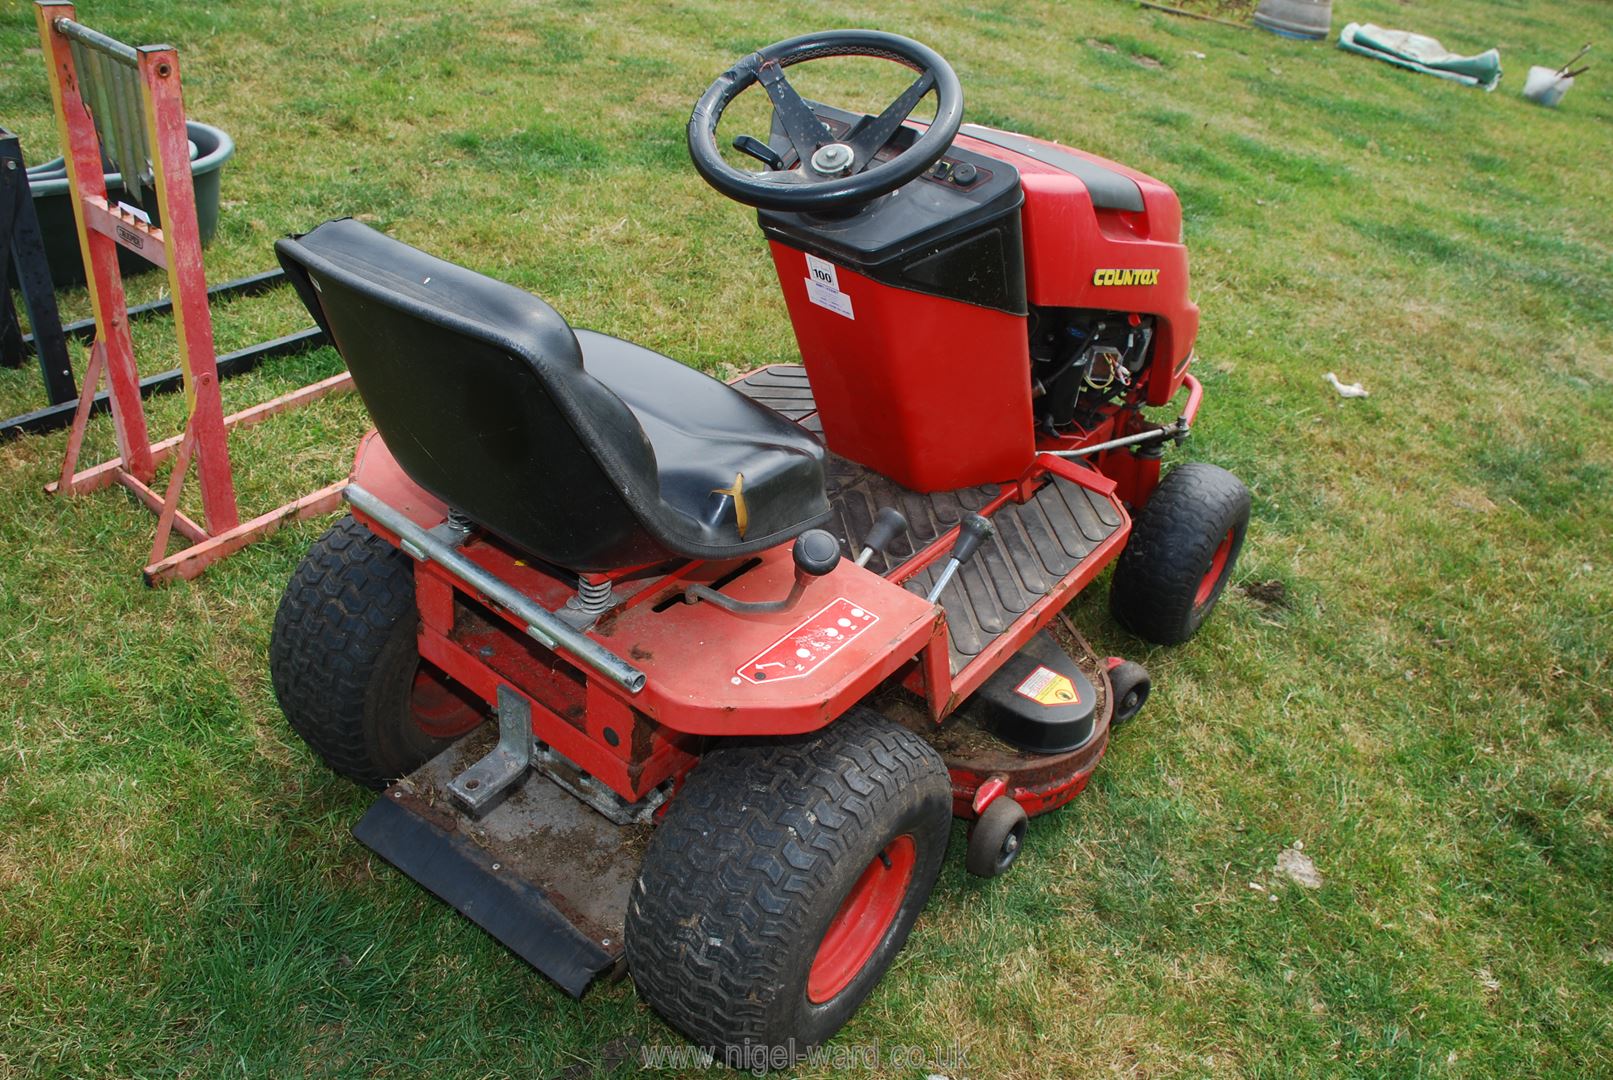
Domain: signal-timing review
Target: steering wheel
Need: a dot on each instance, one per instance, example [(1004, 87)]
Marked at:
[(824, 173)]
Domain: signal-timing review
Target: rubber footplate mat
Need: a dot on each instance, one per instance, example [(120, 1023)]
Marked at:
[(1037, 543)]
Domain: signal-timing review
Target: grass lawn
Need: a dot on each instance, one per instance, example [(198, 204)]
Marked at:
[(1422, 698)]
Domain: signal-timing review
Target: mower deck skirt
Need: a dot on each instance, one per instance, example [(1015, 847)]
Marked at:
[(542, 873)]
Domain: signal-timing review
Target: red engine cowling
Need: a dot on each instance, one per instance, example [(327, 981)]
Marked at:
[(911, 315), (1080, 253), (930, 391)]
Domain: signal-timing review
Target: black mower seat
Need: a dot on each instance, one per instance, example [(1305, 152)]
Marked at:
[(589, 452)]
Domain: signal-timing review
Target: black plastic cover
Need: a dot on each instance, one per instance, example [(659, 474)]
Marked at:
[(936, 235), (1109, 190), (1040, 700)]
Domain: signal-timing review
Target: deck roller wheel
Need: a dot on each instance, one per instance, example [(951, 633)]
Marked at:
[(1130, 682), (996, 838)]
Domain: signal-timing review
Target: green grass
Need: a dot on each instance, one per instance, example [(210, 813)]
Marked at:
[(1427, 709)]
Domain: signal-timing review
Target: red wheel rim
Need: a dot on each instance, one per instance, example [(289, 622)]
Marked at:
[(865, 917), (1212, 577), (439, 706)]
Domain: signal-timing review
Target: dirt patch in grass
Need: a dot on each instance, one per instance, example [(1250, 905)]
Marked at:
[(1271, 593)]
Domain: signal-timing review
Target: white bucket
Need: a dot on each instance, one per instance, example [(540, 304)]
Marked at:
[(1545, 87), (1308, 20)]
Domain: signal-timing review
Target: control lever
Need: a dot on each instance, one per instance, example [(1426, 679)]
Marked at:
[(751, 146), (888, 525), (816, 552), (974, 531)]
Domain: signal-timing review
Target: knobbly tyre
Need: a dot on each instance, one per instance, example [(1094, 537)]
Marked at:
[(687, 679)]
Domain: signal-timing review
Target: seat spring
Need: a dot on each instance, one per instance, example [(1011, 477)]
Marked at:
[(594, 597)]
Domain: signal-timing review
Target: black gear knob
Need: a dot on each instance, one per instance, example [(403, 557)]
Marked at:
[(974, 531), (888, 525), (816, 552)]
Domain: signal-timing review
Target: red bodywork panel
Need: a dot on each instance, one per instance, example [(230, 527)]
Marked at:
[(696, 658), (709, 672), (933, 393)]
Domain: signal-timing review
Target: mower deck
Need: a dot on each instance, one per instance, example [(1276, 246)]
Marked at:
[(543, 873), (1038, 543), (1039, 782)]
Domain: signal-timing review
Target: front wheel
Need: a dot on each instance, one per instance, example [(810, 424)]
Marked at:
[(782, 883), (1181, 553)]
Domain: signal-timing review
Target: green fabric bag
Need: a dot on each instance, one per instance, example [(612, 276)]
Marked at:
[(1418, 53)]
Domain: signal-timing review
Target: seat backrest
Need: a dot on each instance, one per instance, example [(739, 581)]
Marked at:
[(479, 390)]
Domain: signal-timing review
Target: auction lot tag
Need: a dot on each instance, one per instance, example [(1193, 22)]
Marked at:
[(823, 287)]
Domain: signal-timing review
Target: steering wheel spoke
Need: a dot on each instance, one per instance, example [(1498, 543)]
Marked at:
[(805, 131), (871, 137)]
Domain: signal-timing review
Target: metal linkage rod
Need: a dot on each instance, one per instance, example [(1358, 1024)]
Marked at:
[(541, 624), (1176, 429)]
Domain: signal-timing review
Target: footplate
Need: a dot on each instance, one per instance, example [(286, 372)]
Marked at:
[(1036, 545), (544, 874)]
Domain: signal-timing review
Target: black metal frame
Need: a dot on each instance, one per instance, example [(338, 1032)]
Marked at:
[(255, 285), (60, 415), (49, 339), (22, 249)]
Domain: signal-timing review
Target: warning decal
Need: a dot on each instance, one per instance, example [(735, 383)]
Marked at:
[(1047, 687), (804, 649)]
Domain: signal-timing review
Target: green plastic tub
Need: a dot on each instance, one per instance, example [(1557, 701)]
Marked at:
[(210, 149)]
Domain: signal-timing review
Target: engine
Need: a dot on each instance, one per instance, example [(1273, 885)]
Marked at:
[(1082, 360)]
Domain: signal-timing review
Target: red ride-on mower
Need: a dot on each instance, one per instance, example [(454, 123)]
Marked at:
[(750, 647)]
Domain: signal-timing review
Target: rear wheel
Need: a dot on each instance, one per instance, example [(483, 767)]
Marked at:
[(1181, 553), (346, 668), (783, 881)]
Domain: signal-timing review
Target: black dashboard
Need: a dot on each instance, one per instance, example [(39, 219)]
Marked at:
[(953, 232)]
